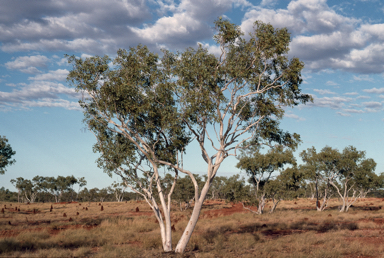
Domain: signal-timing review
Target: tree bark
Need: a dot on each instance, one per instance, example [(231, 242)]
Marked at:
[(182, 244)]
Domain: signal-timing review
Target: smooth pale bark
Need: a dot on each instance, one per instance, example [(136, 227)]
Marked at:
[(260, 209), (32, 197), (182, 244), (347, 202), (275, 203), (322, 206)]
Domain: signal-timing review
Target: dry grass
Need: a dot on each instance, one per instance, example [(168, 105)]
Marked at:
[(294, 230)]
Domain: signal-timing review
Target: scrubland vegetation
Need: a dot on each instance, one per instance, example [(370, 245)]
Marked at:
[(295, 229)]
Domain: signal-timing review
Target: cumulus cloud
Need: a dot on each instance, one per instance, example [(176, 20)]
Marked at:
[(57, 75), (331, 83), (100, 27), (363, 97), (351, 93), (329, 102), (28, 64), (363, 78), (40, 92), (373, 105), (95, 26), (323, 92), (374, 90), (191, 22), (354, 111), (325, 39), (343, 114), (296, 117)]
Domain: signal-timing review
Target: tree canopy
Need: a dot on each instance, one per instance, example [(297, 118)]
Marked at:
[(6, 154), (144, 110)]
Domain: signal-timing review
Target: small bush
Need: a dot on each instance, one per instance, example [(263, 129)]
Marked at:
[(326, 226), (350, 226), (12, 245), (209, 235)]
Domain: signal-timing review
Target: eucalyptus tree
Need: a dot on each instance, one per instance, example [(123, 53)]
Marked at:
[(27, 187), (287, 185), (57, 186), (81, 182), (236, 97), (118, 190), (132, 113), (6, 154), (321, 169), (139, 109), (260, 167), (367, 181), (355, 175)]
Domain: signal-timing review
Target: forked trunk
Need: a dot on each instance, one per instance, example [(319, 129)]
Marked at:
[(275, 203)]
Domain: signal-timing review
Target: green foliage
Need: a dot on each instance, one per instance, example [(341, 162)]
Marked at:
[(6, 154), (7, 196), (146, 109), (131, 111)]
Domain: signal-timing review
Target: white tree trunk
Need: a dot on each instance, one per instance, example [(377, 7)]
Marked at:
[(182, 244)]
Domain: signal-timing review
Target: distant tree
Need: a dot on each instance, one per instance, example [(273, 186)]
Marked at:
[(6, 154), (118, 190), (102, 194), (235, 189), (260, 167), (355, 175), (81, 182), (184, 190), (57, 186), (93, 194), (349, 173), (216, 191), (321, 169), (84, 195), (7, 196), (286, 186), (27, 187)]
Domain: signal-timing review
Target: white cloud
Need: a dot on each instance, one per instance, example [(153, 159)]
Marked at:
[(40, 93), (306, 77), (329, 102), (343, 114), (331, 83), (351, 93), (354, 111), (363, 78), (57, 75), (28, 64), (374, 90), (268, 2), (363, 97), (212, 49), (175, 30), (296, 117), (323, 92), (11, 84), (373, 105), (62, 103), (381, 96), (324, 39)]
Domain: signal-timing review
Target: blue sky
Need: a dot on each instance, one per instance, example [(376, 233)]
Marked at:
[(340, 42)]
